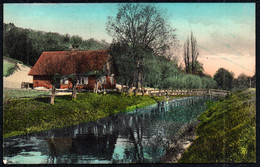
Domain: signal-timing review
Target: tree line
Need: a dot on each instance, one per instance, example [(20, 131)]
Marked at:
[(141, 38), (27, 45)]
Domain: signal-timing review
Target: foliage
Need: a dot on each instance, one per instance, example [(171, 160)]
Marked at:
[(159, 72), (226, 133), (242, 82), (144, 30), (208, 83), (224, 79), (26, 45), (21, 116), (192, 82), (123, 63)]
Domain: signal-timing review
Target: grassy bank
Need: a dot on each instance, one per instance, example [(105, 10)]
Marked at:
[(21, 116), (9, 68), (226, 133)]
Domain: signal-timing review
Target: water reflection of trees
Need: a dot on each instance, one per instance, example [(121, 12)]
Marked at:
[(148, 133)]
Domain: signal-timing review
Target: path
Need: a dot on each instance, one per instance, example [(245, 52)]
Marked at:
[(19, 76)]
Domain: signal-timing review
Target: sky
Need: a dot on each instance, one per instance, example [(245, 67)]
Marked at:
[(225, 32)]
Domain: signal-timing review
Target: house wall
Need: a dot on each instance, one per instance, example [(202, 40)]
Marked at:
[(44, 81), (41, 81)]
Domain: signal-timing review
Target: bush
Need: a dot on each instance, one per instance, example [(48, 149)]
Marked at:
[(208, 83), (192, 82)]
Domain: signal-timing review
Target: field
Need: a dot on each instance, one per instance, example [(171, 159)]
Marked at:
[(227, 132), (21, 116)]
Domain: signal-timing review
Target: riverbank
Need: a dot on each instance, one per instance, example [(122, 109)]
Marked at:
[(28, 115), (180, 144), (226, 132)]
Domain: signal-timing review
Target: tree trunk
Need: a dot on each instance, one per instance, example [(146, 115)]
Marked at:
[(74, 91), (52, 94), (96, 87)]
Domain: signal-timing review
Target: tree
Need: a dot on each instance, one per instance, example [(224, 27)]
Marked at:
[(122, 62), (27, 45), (192, 82), (53, 70), (190, 54), (144, 29), (243, 81), (224, 79)]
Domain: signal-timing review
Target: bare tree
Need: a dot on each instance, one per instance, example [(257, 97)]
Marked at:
[(190, 54), (186, 55), (144, 29), (194, 52)]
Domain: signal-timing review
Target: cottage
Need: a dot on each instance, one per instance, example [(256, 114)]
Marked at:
[(84, 64)]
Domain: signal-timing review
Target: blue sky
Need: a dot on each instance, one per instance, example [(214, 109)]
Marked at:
[(223, 30)]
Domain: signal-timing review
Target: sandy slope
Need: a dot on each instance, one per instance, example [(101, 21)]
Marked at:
[(19, 76)]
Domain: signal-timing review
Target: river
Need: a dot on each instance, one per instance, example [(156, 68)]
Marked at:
[(140, 136)]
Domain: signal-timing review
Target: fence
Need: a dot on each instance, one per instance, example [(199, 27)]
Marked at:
[(172, 92)]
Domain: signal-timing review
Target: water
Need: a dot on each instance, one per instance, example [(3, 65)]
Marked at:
[(139, 136)]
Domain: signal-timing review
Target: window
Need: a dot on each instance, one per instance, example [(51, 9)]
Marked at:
[(82, 81)]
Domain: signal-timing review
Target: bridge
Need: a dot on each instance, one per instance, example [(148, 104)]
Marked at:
[(172, 92)]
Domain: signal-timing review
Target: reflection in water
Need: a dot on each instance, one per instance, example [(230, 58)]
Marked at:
[(139, 136)]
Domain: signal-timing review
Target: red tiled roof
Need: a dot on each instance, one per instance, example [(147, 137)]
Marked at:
[(69, 62)]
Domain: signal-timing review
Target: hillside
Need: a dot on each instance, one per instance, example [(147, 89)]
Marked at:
[(26, 45), (15, 73), (227, 132)]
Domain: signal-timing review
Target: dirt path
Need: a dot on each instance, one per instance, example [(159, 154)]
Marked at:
[(19, 76)]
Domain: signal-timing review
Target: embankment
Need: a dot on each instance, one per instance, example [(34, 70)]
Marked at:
[(226, 132), (22, 116)]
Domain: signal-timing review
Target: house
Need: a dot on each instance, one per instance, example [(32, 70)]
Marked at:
[(84, 64)]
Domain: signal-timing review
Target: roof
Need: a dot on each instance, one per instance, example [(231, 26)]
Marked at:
[(70, 62)]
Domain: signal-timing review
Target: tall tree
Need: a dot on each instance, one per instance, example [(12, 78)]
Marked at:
[(190, 54), (224, 79), (144, 29), (243, 81)]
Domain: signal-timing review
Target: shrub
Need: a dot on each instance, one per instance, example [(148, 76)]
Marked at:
[(192, 82)]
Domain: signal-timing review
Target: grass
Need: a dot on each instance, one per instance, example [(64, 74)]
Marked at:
[(9, 68), (23, 93), (22, 116), (226, 133)]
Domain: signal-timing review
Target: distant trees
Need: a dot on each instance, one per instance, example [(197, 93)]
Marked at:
[(224, 79), (244, 81), (144, 29), (190, 55), (27, 45)]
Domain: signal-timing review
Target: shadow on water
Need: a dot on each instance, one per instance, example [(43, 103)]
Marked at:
[(139, 136)]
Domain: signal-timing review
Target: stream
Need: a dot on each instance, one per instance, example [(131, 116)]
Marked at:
[(139, 136)]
